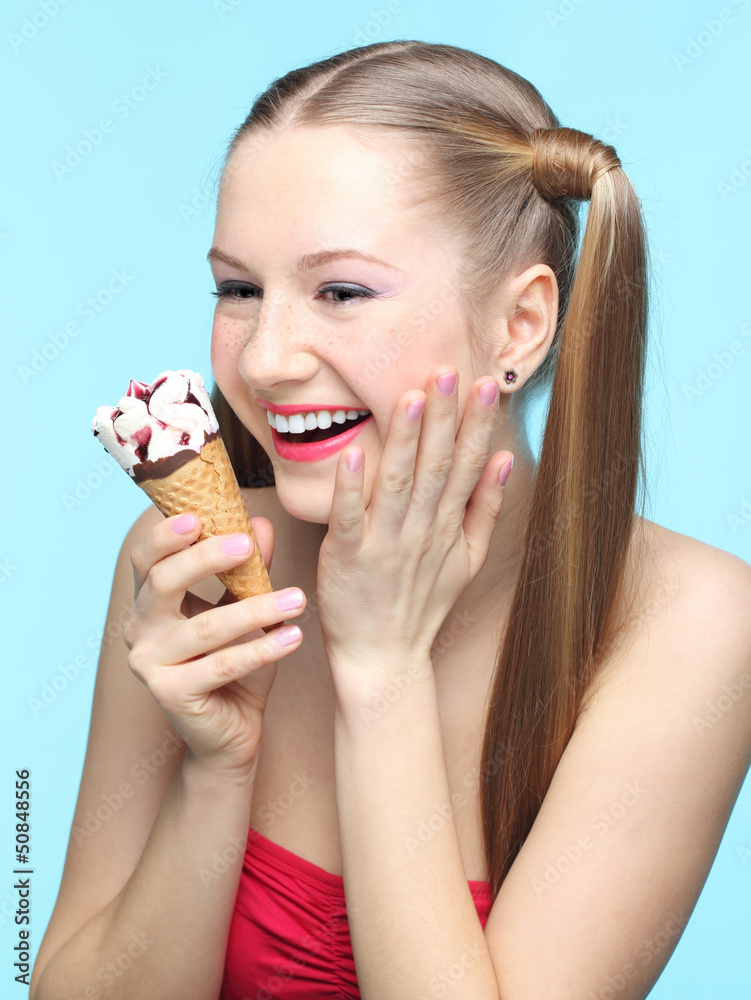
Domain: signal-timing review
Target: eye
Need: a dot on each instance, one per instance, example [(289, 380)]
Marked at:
[(237, 290), (351, 292), (240, 291)]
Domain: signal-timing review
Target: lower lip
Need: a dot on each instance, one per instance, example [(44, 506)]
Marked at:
[(315, 451)]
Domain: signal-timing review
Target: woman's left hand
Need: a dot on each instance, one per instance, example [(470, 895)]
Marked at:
[(389, 575)]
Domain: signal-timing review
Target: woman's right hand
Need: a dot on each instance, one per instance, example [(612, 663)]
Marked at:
[(210, 668)]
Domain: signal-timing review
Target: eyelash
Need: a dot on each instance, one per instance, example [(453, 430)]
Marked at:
[(228, 289)]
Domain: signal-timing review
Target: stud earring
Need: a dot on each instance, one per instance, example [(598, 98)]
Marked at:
[(510, 376)]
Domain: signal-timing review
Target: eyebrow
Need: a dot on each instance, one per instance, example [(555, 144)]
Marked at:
[(305, 263)]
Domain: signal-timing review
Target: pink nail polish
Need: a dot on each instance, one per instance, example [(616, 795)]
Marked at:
[(288, 635), (415, 408), (487, 393), (354, 460), (505, 470), (287, 602), (446, 383), (236, 545), (184, 524)]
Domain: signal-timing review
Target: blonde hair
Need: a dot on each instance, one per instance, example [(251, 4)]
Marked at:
[(508, 180)]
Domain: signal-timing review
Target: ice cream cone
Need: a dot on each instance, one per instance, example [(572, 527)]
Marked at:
[(166, 437), (206, 486)]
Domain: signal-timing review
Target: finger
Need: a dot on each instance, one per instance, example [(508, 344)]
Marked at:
[(263, 529), (483, 509), (218, 626), (394, 478), (473, 448), (170, 535), (436, 448), (201, 677), (168, 580), (347, 517)]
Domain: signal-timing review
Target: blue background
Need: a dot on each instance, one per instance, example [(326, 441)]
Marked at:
[(671, 93)]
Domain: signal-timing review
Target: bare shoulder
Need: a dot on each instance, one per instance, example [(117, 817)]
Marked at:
[(690, 628), (701, 583), (693, 554)]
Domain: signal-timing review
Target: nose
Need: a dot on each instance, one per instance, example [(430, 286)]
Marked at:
[(279, 347)]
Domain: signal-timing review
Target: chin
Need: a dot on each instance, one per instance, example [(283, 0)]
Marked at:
[(307, 502), (303, 503)]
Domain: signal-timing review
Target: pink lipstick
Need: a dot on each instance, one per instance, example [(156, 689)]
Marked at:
[(315, 451)]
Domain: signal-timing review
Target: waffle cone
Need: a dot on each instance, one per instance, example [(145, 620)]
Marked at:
[(206, 486)]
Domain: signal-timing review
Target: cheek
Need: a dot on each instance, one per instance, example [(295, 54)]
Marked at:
[(227, 344)]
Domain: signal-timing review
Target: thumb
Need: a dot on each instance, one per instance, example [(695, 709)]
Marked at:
[(263, 529)]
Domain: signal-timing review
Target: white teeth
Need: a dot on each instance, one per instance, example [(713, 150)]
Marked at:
[(296, 423)]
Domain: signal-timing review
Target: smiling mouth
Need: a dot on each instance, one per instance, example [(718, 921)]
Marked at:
[(321, 434)]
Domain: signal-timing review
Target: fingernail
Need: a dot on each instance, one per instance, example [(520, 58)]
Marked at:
[(505, 470), (184, 524), (354, 460), (287, 602), (288, 635), (488, 392), (415, 408), (446, 384), (236, 545)]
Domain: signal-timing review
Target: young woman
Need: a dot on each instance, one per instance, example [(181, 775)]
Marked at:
[(499, 759)]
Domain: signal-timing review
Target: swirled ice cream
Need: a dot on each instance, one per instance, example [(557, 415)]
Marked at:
[(154, 423), (166, 437)]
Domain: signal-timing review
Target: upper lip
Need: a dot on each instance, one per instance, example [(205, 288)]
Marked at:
[(287, 408)]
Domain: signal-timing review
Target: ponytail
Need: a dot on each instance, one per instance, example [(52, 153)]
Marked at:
[(567, 605)]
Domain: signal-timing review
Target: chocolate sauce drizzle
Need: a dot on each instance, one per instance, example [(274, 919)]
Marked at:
[(163, 467)]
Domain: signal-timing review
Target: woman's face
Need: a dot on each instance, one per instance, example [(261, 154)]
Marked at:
[(295, 327)]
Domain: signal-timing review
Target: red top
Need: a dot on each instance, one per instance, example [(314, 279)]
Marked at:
[(289, 936)]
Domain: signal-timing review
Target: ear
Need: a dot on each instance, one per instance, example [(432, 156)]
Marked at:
[(529, 318)]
